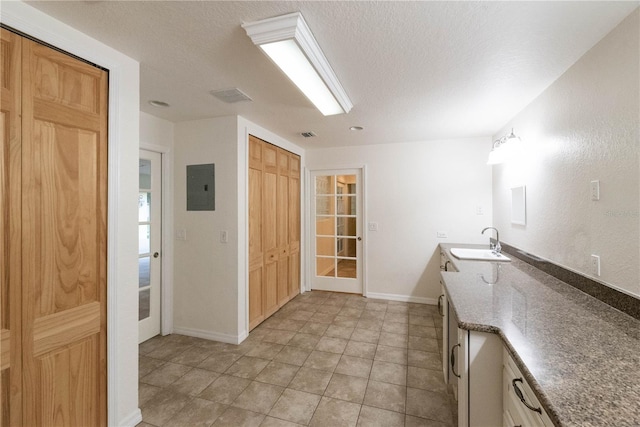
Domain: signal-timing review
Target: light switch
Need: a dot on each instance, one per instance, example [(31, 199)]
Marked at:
[(595, 190), (595, 265), (181, 234), (224, 236), (441, 234), (373, 226)]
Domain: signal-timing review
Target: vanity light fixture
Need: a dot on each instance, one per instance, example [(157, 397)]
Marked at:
[(289, 43), (502, 148)]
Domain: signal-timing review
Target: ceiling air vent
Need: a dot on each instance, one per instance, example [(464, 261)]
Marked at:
[(231, 96), (308, 134)]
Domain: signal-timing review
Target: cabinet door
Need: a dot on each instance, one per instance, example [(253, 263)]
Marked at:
[(480, 383), (463, 382), (445, 334)]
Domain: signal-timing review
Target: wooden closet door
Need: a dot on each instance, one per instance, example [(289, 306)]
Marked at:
[(64, 242), (269, 228), (294, 225), (10, 233), (256, 255), (283, 227)]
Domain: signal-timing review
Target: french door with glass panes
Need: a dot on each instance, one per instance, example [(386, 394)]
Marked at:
[(149, 245), (336, 227)]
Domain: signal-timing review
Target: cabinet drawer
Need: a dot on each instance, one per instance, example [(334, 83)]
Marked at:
[(516, 410)]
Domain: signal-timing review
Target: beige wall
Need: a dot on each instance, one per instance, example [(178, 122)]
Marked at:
[(210, 277), (414, 190), (205, 278), (584, 127)]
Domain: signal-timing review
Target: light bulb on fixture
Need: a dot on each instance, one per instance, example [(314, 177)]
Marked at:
[(504, 148)]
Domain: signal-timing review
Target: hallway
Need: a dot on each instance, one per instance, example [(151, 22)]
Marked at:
[(324, 359)]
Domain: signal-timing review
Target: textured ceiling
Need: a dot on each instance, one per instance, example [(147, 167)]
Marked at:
[(413, 70)]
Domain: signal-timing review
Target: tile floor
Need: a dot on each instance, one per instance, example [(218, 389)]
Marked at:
[(324, 359)]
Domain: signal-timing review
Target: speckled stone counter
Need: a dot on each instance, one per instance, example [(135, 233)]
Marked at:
[(580, 356)]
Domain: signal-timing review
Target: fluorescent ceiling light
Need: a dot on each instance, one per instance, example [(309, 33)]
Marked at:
[(288, 41)]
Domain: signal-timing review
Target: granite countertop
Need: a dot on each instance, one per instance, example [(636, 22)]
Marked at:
[(580, 356)]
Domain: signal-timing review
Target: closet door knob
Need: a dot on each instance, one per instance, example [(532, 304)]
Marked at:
[(156, 254)]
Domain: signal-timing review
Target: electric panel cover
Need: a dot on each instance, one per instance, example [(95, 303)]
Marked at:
[(201, 193)]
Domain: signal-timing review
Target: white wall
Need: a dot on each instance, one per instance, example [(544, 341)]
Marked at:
[(155, 132), (211, 278), (412, 191), (584, 127), (205, 270), (122, 285)]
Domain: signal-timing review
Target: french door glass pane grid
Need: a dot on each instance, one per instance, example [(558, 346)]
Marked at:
[(144, 241), (335, 226)]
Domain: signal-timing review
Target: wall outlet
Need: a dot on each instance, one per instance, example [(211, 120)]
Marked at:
[(479, 210), (181, 234), (595, 265), (373, 226), (441, 234), (224, 236), (595, 190)]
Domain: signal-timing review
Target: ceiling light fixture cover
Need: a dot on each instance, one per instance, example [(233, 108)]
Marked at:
[(156, 103), (289, 43)]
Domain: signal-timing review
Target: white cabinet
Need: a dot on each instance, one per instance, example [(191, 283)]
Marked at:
[(449, 328), (471, 365), (449, 343), (443, 310), (479, 360), (521, 407)]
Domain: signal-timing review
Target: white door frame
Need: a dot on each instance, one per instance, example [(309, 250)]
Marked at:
[(166, 249), (310, 240)]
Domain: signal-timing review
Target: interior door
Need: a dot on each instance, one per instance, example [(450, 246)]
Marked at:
[(149, 245), (336, 228), (64, 239), (10, 231)]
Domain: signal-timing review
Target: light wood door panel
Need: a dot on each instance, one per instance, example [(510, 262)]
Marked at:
[(274, 258), (283, 227), (256, 311), (64, 196), (269, 227), (10, 233), (294, 225), (256, 255)]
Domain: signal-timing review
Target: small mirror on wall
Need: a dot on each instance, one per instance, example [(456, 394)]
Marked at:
[(518, 205)]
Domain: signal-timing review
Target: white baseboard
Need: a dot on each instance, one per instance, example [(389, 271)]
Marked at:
[(403, 298), (131, 420), (209, 335)]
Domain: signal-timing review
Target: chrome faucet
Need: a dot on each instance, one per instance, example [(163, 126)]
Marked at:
[(496, 248)]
